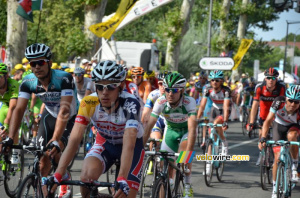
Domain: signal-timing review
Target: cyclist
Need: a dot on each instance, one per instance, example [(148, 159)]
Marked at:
[(57, 90), (144, 87), (9, 90), (179, 111), (220, 112), (196, 91), (240, 96), (150, 77), (81, 82), (18, 72), (264, 95), (285, 116), (248, 94), (115, 114)]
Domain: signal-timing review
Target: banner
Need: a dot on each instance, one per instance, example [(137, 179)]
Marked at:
[(27, 6), (141, 8), (245, 44), (107, 28)]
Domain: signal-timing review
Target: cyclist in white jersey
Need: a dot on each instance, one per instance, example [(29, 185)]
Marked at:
[(80, 82)]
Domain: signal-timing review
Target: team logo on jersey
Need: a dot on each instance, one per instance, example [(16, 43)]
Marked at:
[(186, 101), (130, 107), (282, 113), (90, 102), (162, 101)]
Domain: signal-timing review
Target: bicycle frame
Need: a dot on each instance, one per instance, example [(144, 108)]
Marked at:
[(285, 158)]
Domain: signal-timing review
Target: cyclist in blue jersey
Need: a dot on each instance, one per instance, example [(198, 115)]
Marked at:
[(57, 91)]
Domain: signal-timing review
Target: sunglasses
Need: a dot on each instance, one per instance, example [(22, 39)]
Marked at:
[(293, 101), (136, 76), (173, 90), (269, 78), (38, 62), (109, 87), (78, 74), (215, 80)]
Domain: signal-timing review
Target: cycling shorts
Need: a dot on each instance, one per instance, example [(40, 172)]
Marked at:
[(159, 125), (108, 153), (172, 139), (280, 131), (47, 126), (215, 113), (37, 107)]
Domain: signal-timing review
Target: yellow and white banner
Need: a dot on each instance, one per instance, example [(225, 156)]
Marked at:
[(245, 44), (107, 28)]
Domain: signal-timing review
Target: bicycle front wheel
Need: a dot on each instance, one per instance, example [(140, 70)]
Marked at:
[(280, 180), (13, 176), (111, 176), (179, 185), (160, 189), (30, 187), (148, 177), (208, 166), (220, 169), (200, 135), (263, 170)]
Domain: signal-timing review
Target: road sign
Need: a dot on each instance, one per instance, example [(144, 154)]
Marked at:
[(213, 63)]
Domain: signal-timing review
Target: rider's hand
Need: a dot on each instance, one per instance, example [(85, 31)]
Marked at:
[(262, 143), (123, 188), (225, 126), (38, 118), (54, 146), (3, 131), (57, 178), (249, 127)]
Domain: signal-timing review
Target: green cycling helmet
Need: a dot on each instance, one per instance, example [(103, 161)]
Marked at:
[(216, 74), (174, 80), (3, 68), (293, 92)]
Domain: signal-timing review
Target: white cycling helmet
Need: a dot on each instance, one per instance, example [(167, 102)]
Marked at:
[(79, 70), (108, 70), (38, 50)]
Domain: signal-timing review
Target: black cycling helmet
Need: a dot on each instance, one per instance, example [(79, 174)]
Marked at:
[(271, 72)]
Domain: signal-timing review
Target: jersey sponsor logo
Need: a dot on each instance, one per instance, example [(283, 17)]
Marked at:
[(81, 119), (68, 93), (162, 101), (133, 125), (41, 140), (265, 98), (186, 101), (130, 107), (90, 102), (66, 79), (111, 129)]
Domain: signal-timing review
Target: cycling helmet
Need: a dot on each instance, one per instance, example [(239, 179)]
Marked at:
[(79, 70), (38, 50), (251, 80), (149, 74), (293, 92), (161, 76), (137, 71), (108, 70), (198, 85), (174, 80), (271, 72), (203, 74), (3, 68), (216, 74)]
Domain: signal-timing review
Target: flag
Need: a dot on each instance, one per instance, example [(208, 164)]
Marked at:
[(185, 157), (107, 28), (245, 44), (27, 6)]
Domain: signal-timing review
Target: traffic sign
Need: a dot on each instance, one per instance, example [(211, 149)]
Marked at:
[(213, 63)]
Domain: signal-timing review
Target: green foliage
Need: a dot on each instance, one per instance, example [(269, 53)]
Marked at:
[(3, 22), (61, 28)]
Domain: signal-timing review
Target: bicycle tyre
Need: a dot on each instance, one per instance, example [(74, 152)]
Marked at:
[(280, 180), (146, 185), (263, 170), (32, 186), (208, 177), (220, 169), (160, 188), (179, 185), (12, 180), (270, 157), (244, 123), (200, 135)]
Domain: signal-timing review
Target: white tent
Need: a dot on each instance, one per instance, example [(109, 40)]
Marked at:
[(289, 79)]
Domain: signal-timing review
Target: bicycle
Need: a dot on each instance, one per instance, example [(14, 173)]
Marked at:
[(25, 131), (283, 180), (245, 120), (266, 164), (162, 187), (215, 145), (12, 174), (200, 135), (112, 174), (31, 186), (151, 168), (88, 139)]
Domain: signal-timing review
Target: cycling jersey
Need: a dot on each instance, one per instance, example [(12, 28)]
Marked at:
[(11, 93), (249, 92), (209, 103), (111, 126), (154, 85), (131, 88), (91, 86), (219, 97), (81, 92), (265, 97), (152, 97), (61, 84)]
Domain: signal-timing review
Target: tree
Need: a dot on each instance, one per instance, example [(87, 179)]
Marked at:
[(3, 21), (16, 34)]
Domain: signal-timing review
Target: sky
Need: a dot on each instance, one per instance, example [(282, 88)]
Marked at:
[(280, 26)]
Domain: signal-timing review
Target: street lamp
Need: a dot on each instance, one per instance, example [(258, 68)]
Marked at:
[(286, 43), (294, 51)]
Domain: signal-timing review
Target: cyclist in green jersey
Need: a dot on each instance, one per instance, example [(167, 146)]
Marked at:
[(179, 111)]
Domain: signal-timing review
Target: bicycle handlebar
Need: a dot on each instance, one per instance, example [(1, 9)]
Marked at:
[(30, 148), (283, 142), (87, 184), (210, 125), (161, 153)]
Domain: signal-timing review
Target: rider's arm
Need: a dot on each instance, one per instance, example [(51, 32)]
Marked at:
[(192, 132), (17, 116), (72, 147), (226, 107), (147, 91), (267, 124), (254, 109), (244, 98), (12, 106), (146, 114), (203, 103), (129, 140), (33, 100), (238, 99), (150, 124)]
